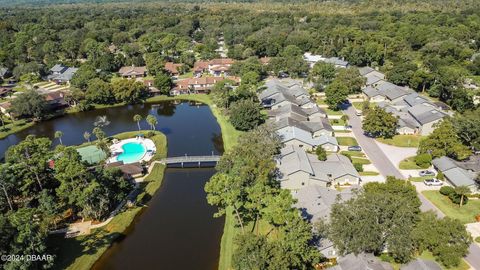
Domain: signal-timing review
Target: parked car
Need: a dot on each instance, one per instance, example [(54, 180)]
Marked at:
[(348, 127), (358, 113), (355, 148), (426, 173), (432, 182)]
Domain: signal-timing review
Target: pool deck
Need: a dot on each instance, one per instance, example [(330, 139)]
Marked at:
[(149, 145)]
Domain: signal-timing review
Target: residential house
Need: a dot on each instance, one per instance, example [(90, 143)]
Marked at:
[(426, 116), (56, 100), (299, 113), (199, 68), (392, 92), (297, 169), (5, 108), (5, 73), (362, 261), (312, 59), (61, 74), (291, 135), (200, 85), (459, 173), (132, 72), (421, 264), (316, 128), (276, 94), (315, 203), (172, 68), (130, 171), (220, 66), (373, 95)]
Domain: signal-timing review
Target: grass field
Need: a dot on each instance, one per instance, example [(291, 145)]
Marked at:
[(353, 153), (347, 141), (409, 164), (337, 122), (332, 112), (402, 140), (426, 255), (466, 213)]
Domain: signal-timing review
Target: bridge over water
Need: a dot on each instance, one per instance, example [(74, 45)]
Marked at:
[(192, 161)]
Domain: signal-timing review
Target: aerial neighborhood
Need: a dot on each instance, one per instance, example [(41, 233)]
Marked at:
[(340, 135)]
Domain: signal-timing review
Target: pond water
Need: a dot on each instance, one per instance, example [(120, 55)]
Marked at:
[(177, 230)]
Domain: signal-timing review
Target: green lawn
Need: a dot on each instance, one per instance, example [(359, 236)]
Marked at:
[(332, 112), (409, 164), (186, 75), (353, 153), (427, 255), (368, 173), (14, 127), (347, 141), (466, 213), (337, 122), (363, 161), (402, 140), (420, 178)]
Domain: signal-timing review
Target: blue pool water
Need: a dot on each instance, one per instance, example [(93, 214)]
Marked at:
[(132, 152)]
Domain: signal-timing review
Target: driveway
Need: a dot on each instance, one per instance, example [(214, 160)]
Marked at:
[(386, 168), (397, 154)]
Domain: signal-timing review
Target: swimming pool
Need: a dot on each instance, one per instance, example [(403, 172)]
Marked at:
[(132, 152)]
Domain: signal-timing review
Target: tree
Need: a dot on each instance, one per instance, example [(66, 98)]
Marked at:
[(443, 141), (321, 153), (446, 238), (99, 91), (221, 93), (137, 118), (99, 133), (58, 135), (250, 78), (462, 191), (163, 82), (29, 158), (129, 91), (246, 115), (351, 78), (29, 104), (379, 123), (152, 121), (252, 252), (336, 93), (358, 225), (401, 73), (87, 135), (83, 76), (467, 127), (322, 74)]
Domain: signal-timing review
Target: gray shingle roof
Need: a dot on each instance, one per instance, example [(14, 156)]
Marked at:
[(371, 92), (305, 125), (372, 78), (293, 159), (58, 68), (415, 99), (3, 71), (336, 61), (290, 133), (365, 70), (425, 114), (316, 202), (420, 264), (362, 261), (454, 173), (392, 91), (289, 110)]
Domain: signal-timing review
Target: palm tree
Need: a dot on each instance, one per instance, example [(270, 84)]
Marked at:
[(462, 191), (99, 133), (87, 135), (137, 118), (58, 135), (101, 121), (152, 121)]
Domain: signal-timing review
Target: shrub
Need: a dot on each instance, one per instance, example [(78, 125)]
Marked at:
[(321, 153), (150, 134), (347, 155), (456, 198), (358, 167), (440, 176), (423, 160), (447, 190), (477, 239)]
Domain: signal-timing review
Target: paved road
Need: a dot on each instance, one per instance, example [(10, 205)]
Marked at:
[(386, 168)]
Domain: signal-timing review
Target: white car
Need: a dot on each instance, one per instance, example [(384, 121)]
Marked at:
[(432, 182), (358, 113)]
